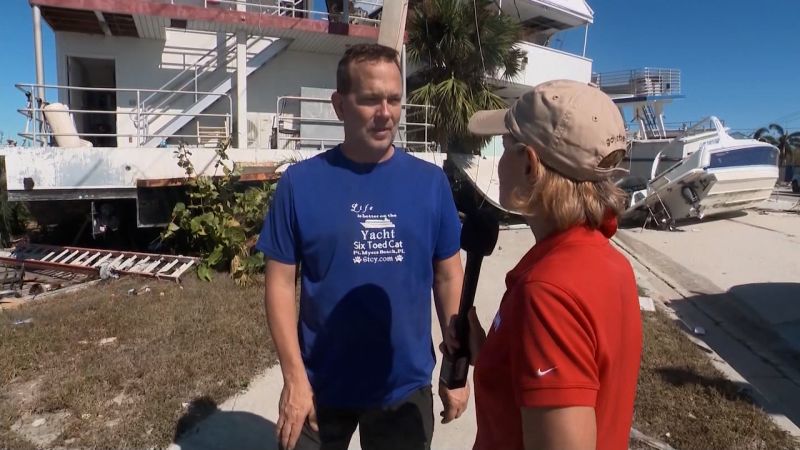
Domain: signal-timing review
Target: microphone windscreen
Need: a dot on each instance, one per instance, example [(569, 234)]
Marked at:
[(479, 233)]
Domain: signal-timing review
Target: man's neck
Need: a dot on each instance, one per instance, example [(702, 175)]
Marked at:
[(356, 153)]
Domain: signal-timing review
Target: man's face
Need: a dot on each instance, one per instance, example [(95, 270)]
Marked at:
[(371, 110)]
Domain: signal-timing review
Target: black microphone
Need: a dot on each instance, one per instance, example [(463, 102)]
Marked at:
[(478, 238)]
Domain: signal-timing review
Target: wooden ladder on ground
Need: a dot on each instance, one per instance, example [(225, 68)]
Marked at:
[(98, 262)]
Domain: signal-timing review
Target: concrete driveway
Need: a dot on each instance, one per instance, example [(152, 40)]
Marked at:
[(738, 278)]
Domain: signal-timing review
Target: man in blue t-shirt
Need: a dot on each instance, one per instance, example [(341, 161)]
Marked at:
[(373, 229)]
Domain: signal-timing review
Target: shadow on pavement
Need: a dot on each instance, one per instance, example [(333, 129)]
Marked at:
[(726, 388), (205, 427), (763, 319)]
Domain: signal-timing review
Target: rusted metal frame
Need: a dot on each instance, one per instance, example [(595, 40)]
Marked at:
[(133, 263), (35, 264)]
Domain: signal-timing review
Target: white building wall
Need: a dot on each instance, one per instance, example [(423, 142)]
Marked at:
[(545, 64), (139, 63), (149, 64), (285, 75)]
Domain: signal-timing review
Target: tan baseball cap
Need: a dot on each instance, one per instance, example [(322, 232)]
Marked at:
[(574, 128)]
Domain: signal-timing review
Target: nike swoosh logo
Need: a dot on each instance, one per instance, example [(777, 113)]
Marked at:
[(541, 373)]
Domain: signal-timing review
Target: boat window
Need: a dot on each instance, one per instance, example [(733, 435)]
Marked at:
[(749, 156)]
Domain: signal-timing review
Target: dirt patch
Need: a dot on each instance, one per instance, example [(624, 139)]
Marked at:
[(116, 369), (23, 393), (41, 429), (685, 402)]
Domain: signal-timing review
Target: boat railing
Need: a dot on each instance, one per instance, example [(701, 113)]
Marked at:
[(647, 81), (698, 126), (709, 123), (366, 12), (320, 128), (704, 127), (39, 131)]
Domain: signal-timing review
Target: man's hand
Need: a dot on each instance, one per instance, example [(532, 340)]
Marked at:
[(295, 407), (454, 402)]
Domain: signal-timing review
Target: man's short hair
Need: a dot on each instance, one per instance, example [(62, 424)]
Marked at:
[(362, 53)]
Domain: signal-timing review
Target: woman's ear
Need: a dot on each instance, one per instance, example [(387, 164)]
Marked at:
[(531, 162)]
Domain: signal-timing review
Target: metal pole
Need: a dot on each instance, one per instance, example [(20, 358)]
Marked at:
[(35, 116), (585, 39), (404, 69), (426, 127), (241, 83), (37, 47), (393, 24), (241, 89), (138, 118), (405, 94)]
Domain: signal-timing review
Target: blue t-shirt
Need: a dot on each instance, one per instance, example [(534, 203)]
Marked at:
[(366, 236)]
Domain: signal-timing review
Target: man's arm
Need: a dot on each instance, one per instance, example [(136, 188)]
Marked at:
[(448, 277), (558, 428), (296, 402)]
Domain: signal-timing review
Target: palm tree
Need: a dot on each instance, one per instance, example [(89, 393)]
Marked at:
[(788, 145), (460, 44)]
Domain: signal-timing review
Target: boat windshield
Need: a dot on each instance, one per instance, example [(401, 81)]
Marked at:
[(748, 156)]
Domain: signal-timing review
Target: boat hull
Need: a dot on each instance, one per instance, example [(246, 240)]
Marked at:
[(739, 188), (709, 182)]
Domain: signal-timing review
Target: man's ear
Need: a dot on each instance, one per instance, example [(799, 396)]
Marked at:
[(336, 101)]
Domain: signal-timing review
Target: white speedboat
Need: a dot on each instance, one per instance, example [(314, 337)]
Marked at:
[(685, 172), (702, 172)]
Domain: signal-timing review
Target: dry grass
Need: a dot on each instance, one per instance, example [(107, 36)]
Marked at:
[(682, 394), (200, 340)]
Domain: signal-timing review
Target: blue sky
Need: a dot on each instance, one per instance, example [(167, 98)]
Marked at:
[(738, 62), (16, 51)]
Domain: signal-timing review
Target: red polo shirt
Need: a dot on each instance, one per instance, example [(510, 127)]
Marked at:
[(568, 333)]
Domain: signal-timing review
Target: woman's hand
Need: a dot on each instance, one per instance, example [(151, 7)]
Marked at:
[(477, 335)]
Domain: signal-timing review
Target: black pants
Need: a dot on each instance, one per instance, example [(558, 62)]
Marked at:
[(405, 426)]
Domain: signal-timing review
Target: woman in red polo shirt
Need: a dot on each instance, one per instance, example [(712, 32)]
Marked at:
[(559, 366)]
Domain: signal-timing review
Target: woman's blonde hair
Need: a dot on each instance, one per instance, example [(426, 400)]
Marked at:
[(567, 202)]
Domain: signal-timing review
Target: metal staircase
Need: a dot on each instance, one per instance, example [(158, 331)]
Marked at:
[(651, 121), (190, 80)]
